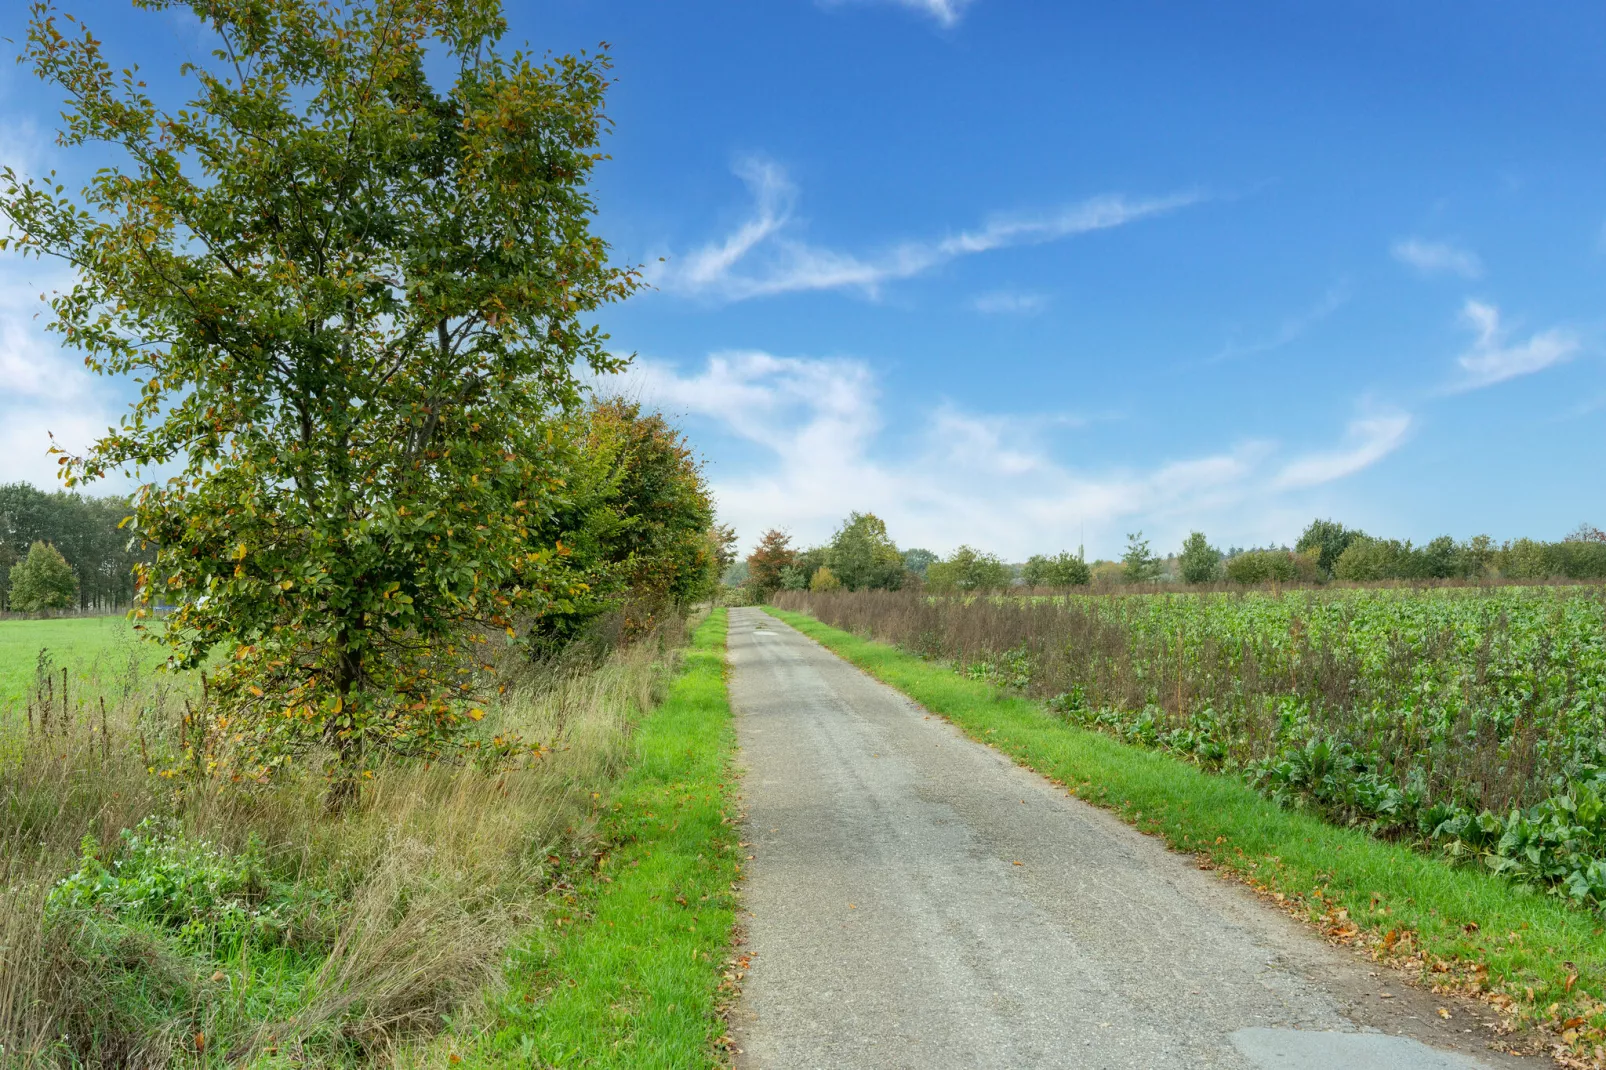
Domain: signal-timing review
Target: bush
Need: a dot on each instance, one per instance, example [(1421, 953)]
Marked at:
[(968, 569), (1064, 569), (824, 580), (1273, 566)]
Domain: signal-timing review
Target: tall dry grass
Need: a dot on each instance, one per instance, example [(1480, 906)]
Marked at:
[(395, 915)]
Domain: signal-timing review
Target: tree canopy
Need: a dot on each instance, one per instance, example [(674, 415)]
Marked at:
[(353, 300), (42, 581)]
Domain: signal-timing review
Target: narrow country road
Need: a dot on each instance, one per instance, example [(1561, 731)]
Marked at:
[(915, 900)]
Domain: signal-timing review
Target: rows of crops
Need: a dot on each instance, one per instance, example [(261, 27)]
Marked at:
[(1472, 720)]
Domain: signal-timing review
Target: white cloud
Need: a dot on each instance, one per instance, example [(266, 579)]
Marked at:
[(1009, 303), (945, 12), (44, 390), (1369, 440), (762, 257), (819, 451), (1438, 258), (1492, 360)]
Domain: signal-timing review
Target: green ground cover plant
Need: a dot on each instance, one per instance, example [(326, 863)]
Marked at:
[(1537, 957), (627, 973)]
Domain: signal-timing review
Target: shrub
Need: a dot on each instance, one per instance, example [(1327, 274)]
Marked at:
[(824, 580), (1064, 569), (1372, 559), (968, 569), (1273, 566)]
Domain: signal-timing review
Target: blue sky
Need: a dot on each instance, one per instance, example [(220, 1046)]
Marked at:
[(1023, 274)]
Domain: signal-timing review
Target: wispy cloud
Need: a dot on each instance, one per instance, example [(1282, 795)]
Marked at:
[(819, 448), (1438, 258), (763, 256), (1368, 439), (1009, 303), (1290, 330), (1493, 359), (946, 13)]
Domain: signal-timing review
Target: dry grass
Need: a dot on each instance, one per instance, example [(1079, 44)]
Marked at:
[(392, 918)]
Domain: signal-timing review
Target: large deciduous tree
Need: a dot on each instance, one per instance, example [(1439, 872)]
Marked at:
[(350, 297)]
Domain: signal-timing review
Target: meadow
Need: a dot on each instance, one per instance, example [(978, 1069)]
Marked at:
[(1469, 720), (156, 912)]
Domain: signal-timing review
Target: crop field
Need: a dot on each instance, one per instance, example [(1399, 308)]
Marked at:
[(1470, 720)]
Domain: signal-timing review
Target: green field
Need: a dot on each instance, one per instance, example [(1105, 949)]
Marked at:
[(95, 651)]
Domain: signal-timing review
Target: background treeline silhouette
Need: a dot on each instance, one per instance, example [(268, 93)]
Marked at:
[(85, 531)]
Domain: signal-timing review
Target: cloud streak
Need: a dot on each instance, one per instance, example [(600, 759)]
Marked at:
[(946, 13), (763, 256), (817, 448), (1438, 258), (1493, 359)]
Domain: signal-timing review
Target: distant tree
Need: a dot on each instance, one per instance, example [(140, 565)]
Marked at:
[(1476, 557), (722, 539), (42, 581), (1367, 559), (769, 559), (1064, 569), (1329, 539), (1586, 533), (1199, 562), (966, 570), (86, 530), (862, 556), (794, 578), (812, 560), (1034, 573), (824, 580), (917, 560), (1138, 565)]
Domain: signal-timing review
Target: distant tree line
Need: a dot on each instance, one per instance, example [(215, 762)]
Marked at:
[(861, 555), (1327, 550), (83, 531)]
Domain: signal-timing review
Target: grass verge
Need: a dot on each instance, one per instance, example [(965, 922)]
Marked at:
[(628, 975), (1456, 928)]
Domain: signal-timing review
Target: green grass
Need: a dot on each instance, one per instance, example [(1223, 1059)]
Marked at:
[(1450, 922), (628, 975), (92, 649)]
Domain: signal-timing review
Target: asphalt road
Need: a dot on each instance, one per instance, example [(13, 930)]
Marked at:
[(915, 900)]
